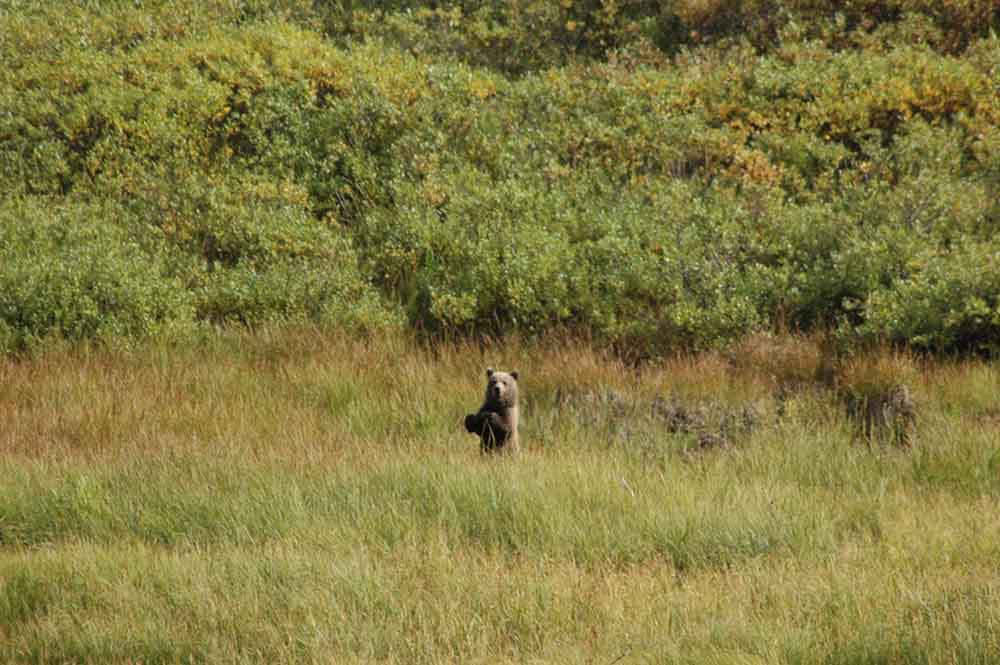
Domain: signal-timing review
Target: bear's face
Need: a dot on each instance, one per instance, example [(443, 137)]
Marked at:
[(501, 387)]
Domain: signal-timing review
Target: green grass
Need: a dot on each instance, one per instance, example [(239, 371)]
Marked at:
[(294, 497)]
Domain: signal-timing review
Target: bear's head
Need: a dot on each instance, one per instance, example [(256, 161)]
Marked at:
[(501, 388)]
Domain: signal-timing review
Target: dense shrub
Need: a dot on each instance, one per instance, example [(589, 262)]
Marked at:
[(660, 271), (331, 294), (951, 301), (69, 271), (659, 175)]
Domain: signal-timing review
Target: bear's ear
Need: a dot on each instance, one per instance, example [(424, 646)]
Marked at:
[(489, 371), (514, 374)]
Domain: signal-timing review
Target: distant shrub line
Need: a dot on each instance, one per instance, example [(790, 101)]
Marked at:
[(658, 175)]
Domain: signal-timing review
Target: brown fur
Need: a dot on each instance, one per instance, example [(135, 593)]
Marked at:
[(496, 422)]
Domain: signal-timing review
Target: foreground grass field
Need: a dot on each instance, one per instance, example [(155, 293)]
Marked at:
[(298, 498)]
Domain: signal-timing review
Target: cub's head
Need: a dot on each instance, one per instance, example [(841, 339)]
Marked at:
[(501, 387)]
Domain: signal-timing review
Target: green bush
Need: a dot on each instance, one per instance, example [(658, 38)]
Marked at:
[(499, 256), (512, 37), (220, 221), (69, 271), (331, 294), (327, 290), (950, 301), (657, 175)]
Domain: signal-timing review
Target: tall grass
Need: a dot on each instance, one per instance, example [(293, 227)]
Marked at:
[(299, 497)]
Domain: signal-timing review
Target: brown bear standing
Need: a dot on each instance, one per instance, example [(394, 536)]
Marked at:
[(496, 421)]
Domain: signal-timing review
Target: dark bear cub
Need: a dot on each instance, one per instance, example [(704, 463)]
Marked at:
[(496, 422)]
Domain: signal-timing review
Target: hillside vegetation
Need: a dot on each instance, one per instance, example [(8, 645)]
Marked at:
[(255, 256), (655, 175)]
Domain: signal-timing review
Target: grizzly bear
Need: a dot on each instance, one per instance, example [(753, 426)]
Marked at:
[(496, 421)]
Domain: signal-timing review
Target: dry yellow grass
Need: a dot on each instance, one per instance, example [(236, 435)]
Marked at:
[(300, 497)]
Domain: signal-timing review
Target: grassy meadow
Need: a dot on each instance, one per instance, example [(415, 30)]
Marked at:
[(295, 497)]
